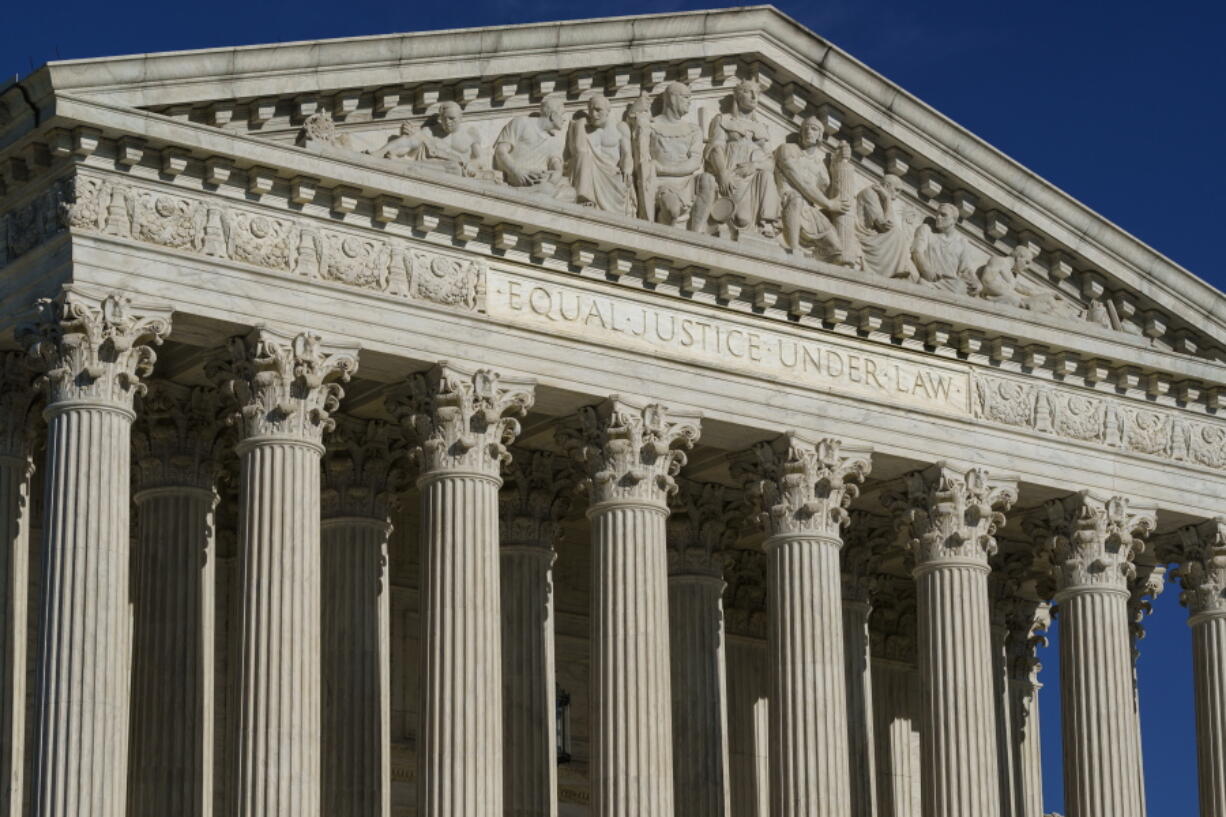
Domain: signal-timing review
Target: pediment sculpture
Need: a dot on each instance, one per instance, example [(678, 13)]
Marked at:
[(731, 178)]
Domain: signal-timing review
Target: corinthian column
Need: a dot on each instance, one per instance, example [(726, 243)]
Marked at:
[(949, 518), (458, 426), (94, 356), (359, 481), (800, 491), (628, 455), (174, 444), (866, 536), (698, 532), (17, 399), (534, 499), (1093, 542), (284, 406), (1202, 571)]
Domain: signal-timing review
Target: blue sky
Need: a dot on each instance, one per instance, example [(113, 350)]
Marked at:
[(1120, 104)]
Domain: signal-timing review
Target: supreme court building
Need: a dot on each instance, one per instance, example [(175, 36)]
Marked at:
[(642, 417)]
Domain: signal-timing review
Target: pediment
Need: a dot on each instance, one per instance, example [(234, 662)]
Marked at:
[(1020, 246)]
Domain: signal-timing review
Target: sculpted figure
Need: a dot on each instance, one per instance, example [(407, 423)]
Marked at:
[(884, 242), (598, 160), (668, 162), (1002, 280), (527, 154), (446, 142), (740, 160), (807, 194), (942, 256)]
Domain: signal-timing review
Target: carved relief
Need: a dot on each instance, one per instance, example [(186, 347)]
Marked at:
[(355, 261), (447, 280), (811, 200), (1109, 421), (1201, 569), (536, 495), (598, 159), (702, 524), (739, 159), (1091, 541), (883, 234), (668, 161), (362, 470), (950, 515), (444, 142), (170, 221), (260, 240), (528, 154), (177, 439)]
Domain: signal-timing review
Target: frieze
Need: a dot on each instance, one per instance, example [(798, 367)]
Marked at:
[(1097, 418), (286, 245)]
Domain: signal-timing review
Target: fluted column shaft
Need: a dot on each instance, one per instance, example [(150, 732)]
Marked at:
[(632, 753), (1100, 735), (700, 694), (748, 729), (1027, 755), (862, 757), (955, 668), (1209, 676), (279, 528), (15, 471), (88, 643), (529, 682), (896, 722), (1006, 743), (356, 726), (810, 774), (172, 744)]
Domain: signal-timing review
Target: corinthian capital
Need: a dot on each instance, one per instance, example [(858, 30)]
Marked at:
[(950, 515), (17, 399), (1201, 554), (93, 351), (536, 495), (1092, 541), (796, 486), (629, 452), (458, 421), (867, 540), (362, 469), (701, 525), (176, 437), (283, 387)]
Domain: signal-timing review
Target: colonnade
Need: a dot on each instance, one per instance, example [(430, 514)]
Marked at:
[(314, 494)]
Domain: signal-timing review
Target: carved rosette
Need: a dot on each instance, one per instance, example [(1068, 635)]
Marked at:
[(177, 437), (459, 422), (1093, 542), (283, 387), (629, 453), (800, 488), (90, 351), (18, 397), (1201, 554), (362, 470), (701, 526), (536, 495), (950, 516), (867, 539)]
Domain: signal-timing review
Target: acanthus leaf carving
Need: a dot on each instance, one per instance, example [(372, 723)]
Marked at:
[(950, 515), (797, 486), (537, 494), (893, 624), (363, 470), (178, 437), (282, 387), (629, 452), (1201, 567), (867, 541), (1092, 541), (702, 526), (460, 421), (745, 591), (18, 400), (93, 350)]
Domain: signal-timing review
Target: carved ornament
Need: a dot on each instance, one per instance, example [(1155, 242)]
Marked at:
[(1092, 541), (177, 437), (1201, 569), (702, 525), (536, 495), (363, 470)]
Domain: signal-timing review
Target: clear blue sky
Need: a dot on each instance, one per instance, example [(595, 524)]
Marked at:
[(1121, 104)]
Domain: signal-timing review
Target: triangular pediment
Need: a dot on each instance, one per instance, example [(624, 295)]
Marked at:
[(1020, 248)]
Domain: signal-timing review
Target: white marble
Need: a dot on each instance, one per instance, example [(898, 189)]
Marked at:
[(748, 728), (85, 674), (283, 394)]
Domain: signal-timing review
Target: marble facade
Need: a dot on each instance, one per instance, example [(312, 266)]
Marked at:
[(641, 416)]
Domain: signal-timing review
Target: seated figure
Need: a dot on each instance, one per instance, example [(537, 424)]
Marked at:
[(528, 155), (739, 159), (1002, 281), (808, 201), (445, 142), (942, 256), (668, 156), (598, 160), (884, 242)]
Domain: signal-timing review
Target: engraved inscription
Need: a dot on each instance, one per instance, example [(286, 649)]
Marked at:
[(825, 364)]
